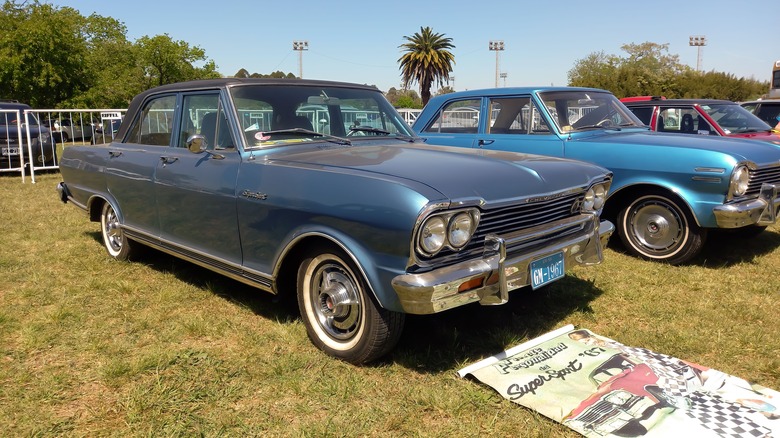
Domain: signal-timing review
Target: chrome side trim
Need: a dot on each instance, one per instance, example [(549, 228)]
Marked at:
[(229, 269)]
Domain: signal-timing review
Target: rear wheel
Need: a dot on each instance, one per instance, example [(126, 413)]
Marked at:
[(340, 316), (656, 227), (114, 239)]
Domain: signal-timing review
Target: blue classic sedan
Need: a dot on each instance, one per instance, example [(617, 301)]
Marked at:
[(668, 190), (320, 190)]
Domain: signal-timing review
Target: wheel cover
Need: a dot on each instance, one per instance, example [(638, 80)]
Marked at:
[(657, 226), (112, 233), (334, 298)]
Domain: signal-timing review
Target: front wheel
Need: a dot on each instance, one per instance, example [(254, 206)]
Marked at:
[(114, 239), (655, 227), (340, 316)]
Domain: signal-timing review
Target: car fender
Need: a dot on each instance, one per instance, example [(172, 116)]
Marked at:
[(377, 270), (699, 204)]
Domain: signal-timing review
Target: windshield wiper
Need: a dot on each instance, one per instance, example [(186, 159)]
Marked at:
[(614, 128), (369, 129), (302, 132)]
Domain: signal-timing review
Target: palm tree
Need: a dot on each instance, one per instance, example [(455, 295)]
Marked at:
[(427, 60)]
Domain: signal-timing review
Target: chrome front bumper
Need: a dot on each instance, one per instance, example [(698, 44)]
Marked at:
[(502, 268), (760, 211)]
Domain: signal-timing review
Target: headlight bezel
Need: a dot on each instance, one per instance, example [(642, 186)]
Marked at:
[(739, 181), (595, 197), (453, 222)]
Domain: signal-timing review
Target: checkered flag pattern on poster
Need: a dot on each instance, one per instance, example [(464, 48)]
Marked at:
[(602, 388)]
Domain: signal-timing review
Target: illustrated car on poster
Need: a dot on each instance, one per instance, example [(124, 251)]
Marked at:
[(627, 401), (701, 117), (364, 224), (668, 191)]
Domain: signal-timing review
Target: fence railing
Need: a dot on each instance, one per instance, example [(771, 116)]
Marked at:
[(32, 140)]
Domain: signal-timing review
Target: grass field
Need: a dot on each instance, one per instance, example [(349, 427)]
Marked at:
[(94, 347)]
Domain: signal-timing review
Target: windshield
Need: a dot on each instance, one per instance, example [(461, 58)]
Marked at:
[(273, 115), (732, 118), (573, 111)]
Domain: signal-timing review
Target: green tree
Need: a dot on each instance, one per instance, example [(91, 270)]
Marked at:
[(403, 98), (164, 61), (42, 54), (112, 74), (427, 60), (648, 69)]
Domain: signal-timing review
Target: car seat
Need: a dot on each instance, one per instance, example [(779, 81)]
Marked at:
[(686, 125)]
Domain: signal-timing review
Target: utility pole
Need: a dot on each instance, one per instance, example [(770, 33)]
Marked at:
[(300, 46), (697, 41), (496, 46)]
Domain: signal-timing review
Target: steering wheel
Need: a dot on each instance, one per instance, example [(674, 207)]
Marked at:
[(606, 123)]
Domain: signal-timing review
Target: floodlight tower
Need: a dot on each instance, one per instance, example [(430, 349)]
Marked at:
[(697, 41), (300, 46), (496, 46)]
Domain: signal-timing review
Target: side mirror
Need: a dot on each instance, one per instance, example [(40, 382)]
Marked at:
[(196, 143)]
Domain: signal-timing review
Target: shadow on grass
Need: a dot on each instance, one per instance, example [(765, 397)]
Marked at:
[(259, 302), (434, 343), (725, 248), (429, 343)]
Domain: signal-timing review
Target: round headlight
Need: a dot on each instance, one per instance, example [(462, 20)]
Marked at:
[(459, 230), (739, 181), (589, 201), (600, 196), (432, 234)]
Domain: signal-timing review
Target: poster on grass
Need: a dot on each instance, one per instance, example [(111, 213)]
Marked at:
[(602, 388)]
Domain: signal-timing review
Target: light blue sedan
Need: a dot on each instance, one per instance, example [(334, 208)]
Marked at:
[(668, 190), (320, 190)]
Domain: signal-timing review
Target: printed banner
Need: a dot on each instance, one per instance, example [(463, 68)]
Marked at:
[(602, 388)]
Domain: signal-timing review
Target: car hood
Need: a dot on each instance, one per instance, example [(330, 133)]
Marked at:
[(453, 172), (763, 136), (741, 149)]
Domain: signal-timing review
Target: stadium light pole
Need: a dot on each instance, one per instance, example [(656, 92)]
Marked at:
[(300, 46), (697, 41), (496, 46)]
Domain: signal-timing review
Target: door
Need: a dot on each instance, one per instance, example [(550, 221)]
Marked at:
[(132, 163), (196, 192), (516, 124)]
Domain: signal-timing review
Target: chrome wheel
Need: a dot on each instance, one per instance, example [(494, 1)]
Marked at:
[(341, 317), (332, 300), (655, 227), (114, 239)]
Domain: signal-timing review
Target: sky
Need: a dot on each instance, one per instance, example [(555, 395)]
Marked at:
[(359, 41)]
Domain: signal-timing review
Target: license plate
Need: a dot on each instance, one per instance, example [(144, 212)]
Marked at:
[(10, 151), (547, 269)]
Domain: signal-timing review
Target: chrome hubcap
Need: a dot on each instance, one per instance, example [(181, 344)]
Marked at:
[(336, 295), (656, 226)]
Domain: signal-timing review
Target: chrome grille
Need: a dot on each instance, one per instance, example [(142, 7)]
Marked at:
[(762, 175), (598, 412), (510, 218), (519, 217)]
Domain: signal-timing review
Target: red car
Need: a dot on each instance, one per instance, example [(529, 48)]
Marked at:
[(700, 116), (628, 401)]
